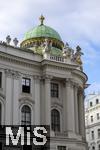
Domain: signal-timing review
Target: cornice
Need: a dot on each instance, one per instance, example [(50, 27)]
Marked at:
[(92, 125), (81, 74), (18, 60), (58, 65)]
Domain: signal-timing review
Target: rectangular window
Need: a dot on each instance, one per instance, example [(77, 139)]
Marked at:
[(98, 133), (90, 104), (92, 135), (26, 84), (91, 118), (97, 116), (97, 101), (54, 90), (0, 79), (61, 148)]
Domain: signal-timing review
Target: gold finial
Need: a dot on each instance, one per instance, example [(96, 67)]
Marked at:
[(42, 18)]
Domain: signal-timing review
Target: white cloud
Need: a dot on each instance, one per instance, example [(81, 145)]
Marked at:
[(77, 21)]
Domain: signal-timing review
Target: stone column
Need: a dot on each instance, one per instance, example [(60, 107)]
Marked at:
[(76, 108), (37, 99), (9, 98), (16, 91), (12, 88), (45, 100), (47, 97), (70, 109), (81, 113)]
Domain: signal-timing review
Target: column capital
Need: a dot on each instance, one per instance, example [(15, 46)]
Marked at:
[(47, 77), (12, 73), (37, 77)]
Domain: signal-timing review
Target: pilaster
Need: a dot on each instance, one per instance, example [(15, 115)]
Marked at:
[(37, 98), (70, 109), (12, 87), (81, 112), (76, 107)]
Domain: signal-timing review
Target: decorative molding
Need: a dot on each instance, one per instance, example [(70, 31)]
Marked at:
[(37, 77), (25, 100), (12, 73)]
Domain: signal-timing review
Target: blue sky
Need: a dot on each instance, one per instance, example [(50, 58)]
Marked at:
[(77, 21)]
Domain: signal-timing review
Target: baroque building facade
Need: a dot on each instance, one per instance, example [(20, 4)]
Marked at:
[(92, 121), (42, 82)]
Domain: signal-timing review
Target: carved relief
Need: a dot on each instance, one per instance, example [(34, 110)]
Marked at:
[(12, 74)]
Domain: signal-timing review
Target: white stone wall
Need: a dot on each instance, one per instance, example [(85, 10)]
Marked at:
[(95, 124), (15, 64)]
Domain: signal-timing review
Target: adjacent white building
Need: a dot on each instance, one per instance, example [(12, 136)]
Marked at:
[(92, 121), (42, 82)]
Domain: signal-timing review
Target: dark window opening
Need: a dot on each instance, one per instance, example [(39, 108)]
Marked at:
[(90, 104), (54, 90), (98, 133), (26, 84), (26, 115), (61, 148), (97, 101), (55, 120)]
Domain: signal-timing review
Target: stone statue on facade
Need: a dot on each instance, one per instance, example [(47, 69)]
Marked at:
[(8, 39), (15, 41), (77, 56), (67, 52), (47, 45)]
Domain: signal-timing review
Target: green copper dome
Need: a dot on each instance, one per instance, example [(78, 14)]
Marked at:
[(35, 38), (42, 31)]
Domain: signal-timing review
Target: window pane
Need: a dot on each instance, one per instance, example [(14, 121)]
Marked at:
[(26, 85), (28, 82), (23, 81), (26, 115), (54, 90), (55, 120)]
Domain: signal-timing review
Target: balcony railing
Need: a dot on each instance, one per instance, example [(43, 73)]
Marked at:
[(57, 58)]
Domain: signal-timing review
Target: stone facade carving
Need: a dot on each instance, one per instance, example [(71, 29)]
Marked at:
[(77, 56), (12, 73)]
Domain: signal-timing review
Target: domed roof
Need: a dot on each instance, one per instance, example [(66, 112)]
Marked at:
[(35, 38), (42, 31)]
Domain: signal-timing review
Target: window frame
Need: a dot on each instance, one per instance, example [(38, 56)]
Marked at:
[(98, 116), (91, 118), (54, 90), (55, 120), (92, 135), (61, 147), (26, 88), (97, 101), (26, 114), (98, 133), (91, 104)]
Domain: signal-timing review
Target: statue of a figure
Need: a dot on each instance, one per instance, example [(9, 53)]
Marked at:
[(15, 41), (47, 45), (77, 55), (67, 51), (8, 39)]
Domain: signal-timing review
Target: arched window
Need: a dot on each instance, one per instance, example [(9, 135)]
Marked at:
[(0, 112), (55, 120), (25, 115)]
